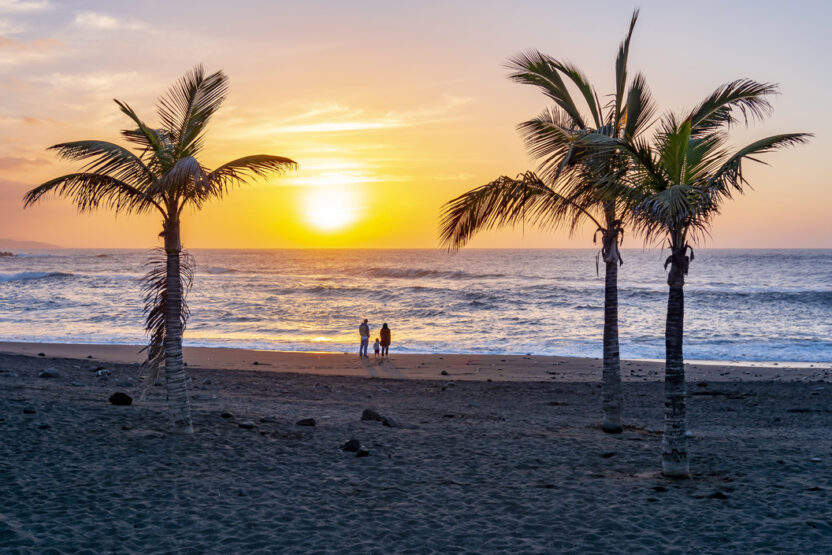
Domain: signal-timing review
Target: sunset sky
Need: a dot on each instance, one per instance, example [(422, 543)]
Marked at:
[(391, 108)]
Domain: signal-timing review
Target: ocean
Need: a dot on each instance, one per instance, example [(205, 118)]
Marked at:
[(741, 305)]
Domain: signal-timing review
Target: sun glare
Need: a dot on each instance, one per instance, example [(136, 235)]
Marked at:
[(330, 208)]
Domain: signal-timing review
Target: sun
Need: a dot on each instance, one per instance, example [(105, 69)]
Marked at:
[(330, 208)]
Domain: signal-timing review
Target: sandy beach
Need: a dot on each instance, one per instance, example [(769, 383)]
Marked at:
[(502, 454)]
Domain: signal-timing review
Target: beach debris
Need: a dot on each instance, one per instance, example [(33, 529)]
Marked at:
[(371, 415), (247, 425), (306, 422), (352, 446), (362, 453), (121, 399), (29, 410), (226, 414), (444, 373), (103, 372), (49, 373), (389, 422), (268, 419)]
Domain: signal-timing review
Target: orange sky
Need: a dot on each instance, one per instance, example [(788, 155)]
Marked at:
[(391, 108)]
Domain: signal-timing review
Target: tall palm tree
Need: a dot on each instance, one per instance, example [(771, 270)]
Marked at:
[(678, 182), (165, 176), (572, 186)]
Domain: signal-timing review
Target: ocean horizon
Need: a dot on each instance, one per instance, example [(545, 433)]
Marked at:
[(742, 305)]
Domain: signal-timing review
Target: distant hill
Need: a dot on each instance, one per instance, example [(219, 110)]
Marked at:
[(14, 244)]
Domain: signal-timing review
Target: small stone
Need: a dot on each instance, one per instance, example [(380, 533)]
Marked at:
[(608, 455), (268, 419), (124, 384), (246, 425), (389, 422), (121, 399), (444, 373), (103, 372), (89, 356), (306, 422), (206, 381), (29, 410), (44, 427), (41, 354), (371, 415), (48, 373), (718, 495), (256, 363), (226, 414), (76, 384), (126, 427), (362, 453), (659, 489), (353, 445), (814, 459)]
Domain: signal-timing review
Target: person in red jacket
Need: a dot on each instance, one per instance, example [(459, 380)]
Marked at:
[(384, 334)]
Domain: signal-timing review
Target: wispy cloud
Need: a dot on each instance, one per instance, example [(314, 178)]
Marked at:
[(14, 52), (25, 5), (454, 177), (9, 28), (93, 20), (101, 81)]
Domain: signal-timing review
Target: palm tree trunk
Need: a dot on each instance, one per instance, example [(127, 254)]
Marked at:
[(674, 443), (612, 393), (178, 403)]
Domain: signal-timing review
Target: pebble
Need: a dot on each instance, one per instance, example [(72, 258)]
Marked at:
[(247, 425), (41, 354), (371, 415), (362, 453), (306, 422), (121, 399), (29, 410), (206, 381), (814, 459), (389, 422), (353, 446), (44, 427), (124, 384), (444, 373), (226, 414), (268, 419), (103, 372), (49, 373)]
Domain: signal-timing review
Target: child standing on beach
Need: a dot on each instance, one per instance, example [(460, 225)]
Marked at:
[(377, 347)]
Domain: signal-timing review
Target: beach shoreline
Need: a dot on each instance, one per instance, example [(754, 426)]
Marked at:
[(469, 367)]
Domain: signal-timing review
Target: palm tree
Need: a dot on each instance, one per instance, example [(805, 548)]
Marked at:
[(163, 175), (573, 186), (678, 182)]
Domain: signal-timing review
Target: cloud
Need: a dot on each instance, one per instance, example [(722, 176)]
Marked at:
[(8, 163), (9, 28), (25, 5), (456, 177), (99, 82), (13, 52), (94, 20), (337, 118)]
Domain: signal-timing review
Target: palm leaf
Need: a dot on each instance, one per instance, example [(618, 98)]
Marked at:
[(239, 171), (89, 191)]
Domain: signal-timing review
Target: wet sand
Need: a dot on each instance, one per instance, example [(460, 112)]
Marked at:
[(515, 464)]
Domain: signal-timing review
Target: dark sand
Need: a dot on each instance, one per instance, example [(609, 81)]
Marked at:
[(474, 466)]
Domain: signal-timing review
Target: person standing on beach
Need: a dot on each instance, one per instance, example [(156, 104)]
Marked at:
[(384, 334), (364, 332)]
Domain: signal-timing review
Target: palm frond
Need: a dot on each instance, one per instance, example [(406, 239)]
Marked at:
[(187, 179), (107, 159), (540, 70), (154, 289), (729, 175), (189, 104), (640, 108), (244, 169), (621, 71), (745, 98), (505, 202), (89, 191)]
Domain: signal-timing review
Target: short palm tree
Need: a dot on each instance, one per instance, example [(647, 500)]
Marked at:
[(574, 182), (678, 182), (164, 176)]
